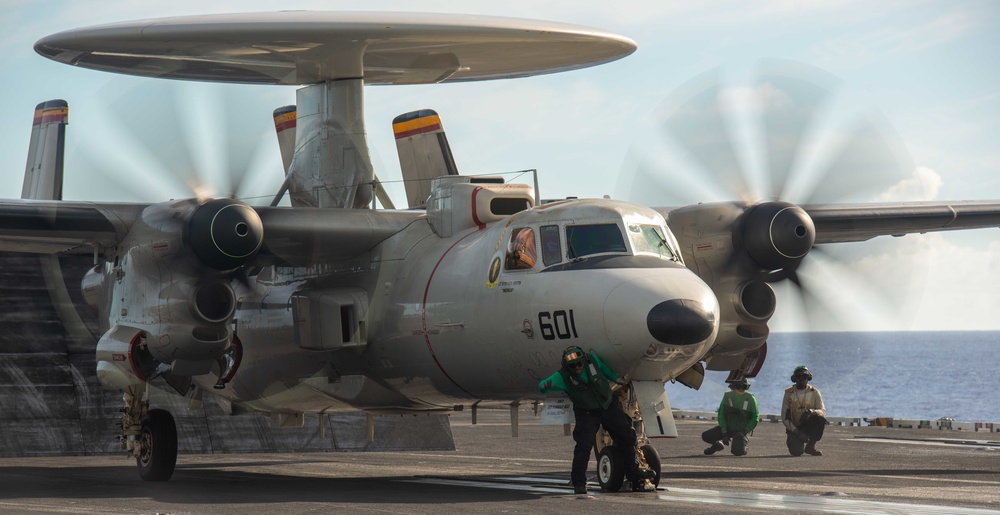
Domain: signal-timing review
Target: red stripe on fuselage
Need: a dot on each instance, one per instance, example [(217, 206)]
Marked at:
[(475, 215), (423, 315)]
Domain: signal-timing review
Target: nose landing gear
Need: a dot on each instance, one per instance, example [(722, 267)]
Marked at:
[(610, 459)]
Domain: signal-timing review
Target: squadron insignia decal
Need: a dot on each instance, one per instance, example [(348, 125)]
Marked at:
[(491, 279)]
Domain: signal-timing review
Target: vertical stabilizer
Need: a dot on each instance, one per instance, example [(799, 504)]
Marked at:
[(331, 166), (284, 125), (424, 153), (43, 173)]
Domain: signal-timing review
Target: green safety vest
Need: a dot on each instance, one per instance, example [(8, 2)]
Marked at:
[(594, 394), (737, 409)]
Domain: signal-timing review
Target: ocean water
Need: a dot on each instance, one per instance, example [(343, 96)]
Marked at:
[(919, 375)]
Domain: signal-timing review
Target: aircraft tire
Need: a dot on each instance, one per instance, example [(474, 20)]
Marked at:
[(159, 446), (610, 469), (653, 461)]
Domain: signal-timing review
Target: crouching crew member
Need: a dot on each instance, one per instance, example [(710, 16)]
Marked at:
[(803, 414), (584, 377), (737, 417)]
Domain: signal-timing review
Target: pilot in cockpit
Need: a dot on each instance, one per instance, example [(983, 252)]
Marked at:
[(521, 252)]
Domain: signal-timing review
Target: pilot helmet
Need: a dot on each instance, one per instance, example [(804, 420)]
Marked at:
[(742, 384), (572, 356), (801, 371)]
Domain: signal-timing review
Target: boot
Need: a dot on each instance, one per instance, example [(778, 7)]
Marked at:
[(639, 485), (580, 489), (716, 447), (812, 450)]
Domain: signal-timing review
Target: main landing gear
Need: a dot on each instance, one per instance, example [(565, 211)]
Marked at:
[(150, 435), (610, 460)]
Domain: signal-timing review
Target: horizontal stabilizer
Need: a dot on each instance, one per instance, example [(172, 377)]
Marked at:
[(43, 173), (424, 153)]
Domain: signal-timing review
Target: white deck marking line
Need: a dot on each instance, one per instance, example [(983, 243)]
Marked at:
[(818, 504), (970, 444), (542, 460), (493, 485), (748, 500), (861, 473)]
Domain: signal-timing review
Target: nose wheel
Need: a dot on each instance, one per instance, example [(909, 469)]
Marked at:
[(610, 459), (611, 466), (610, 469), (652, 459)]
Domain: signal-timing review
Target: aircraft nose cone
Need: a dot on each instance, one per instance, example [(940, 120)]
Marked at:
[(680, 322)]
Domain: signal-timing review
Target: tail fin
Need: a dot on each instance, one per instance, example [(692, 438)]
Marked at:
[(424, 153), (43, 173), (284, 125)]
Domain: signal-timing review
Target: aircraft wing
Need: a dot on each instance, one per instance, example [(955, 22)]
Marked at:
[(56, 226), (307, 236), (859, 222), (298, 237)]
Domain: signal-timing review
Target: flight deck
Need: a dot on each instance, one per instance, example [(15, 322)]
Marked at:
[(863, 470)]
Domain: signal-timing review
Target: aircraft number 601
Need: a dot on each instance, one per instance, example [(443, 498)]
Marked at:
[(557, 324)]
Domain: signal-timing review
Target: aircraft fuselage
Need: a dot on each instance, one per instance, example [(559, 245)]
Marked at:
[(459, 319)]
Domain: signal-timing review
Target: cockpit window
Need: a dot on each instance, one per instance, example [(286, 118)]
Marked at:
[(521, 253), (649, 239), (551, 247), (584, 240)]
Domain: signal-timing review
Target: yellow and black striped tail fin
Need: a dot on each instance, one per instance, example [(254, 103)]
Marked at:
[(424, 153), (43, 173)]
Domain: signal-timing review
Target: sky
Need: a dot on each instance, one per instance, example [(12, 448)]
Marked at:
[(927, 71)]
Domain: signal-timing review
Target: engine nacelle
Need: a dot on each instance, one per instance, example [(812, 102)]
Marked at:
[(737, 248), (171, 283), (224, 234), (776, 235)]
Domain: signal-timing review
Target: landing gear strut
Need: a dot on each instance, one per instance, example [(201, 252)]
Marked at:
[(148, 435), (611, 462)]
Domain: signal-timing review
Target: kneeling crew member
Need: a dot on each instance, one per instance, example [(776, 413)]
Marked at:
[(584, 377), (737, 417), (803, 414)]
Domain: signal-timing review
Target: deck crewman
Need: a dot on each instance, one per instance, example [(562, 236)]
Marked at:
[(585, 378), (803, 414)]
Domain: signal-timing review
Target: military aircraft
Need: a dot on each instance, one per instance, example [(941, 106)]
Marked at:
[(469, 295)]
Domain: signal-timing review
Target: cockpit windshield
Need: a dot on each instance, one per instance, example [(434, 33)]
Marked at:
[(584, 240), (649, 239)]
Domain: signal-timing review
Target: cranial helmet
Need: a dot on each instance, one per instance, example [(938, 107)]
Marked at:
[(572, 355), (742, 384), (800, 372)]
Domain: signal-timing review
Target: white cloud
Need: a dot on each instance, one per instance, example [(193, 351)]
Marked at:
[(924, 185)]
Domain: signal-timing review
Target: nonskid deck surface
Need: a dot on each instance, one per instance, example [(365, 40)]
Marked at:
[(863, 470)]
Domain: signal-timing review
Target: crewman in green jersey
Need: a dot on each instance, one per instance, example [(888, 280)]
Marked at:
[(585, 378), (737, 417)]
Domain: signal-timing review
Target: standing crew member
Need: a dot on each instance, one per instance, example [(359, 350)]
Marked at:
[(803, 414), (584, 377), (737, 417)]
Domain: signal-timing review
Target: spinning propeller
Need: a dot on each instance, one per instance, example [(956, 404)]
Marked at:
[(767, 151), (171, 139)]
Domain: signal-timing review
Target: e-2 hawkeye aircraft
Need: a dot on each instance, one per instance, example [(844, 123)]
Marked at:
[(468, 296)]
